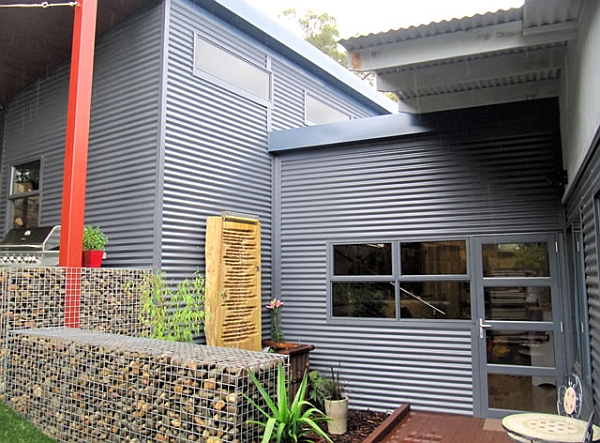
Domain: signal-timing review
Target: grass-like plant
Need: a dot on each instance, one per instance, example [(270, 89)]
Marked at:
[(287, 421), (173, 314)]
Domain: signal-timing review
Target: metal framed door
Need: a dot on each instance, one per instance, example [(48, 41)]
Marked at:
[(518, 323)]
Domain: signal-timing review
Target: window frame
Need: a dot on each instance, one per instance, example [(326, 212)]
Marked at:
[(13, 196), (396, 278), (312, 122), (224, 83)]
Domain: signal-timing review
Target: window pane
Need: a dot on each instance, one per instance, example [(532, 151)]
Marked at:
[(434, 258), (522, 393), (452, 298), (522, 303), (232, 69), (521, 348), (26, 177), (515, 260), (25, 211), (363, 300), (318, 112), (368, 259)]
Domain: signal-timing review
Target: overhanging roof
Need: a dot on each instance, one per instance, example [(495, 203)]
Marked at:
[(497, 57), (33, 41)]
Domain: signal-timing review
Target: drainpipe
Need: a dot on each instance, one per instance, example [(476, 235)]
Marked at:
[(76, 152)]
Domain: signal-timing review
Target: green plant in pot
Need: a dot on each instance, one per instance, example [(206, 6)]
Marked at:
[(93, 244), (336, 402), (288, 420)]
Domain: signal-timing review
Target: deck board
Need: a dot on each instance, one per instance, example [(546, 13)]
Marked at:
[(431, 427)]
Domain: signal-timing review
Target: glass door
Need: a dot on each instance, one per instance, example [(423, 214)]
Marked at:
[(518, 323)]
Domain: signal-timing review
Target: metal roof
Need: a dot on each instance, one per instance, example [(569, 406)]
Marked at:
[(497, 57), (33, 41)]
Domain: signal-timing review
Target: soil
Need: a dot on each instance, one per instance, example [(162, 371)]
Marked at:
[(361, 422)]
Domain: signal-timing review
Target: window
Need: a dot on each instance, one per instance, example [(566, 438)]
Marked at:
[(222, 67), (362, 283), (24, 196), (318, 112), (428, 281)]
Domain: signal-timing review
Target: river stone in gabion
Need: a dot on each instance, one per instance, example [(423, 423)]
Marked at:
[(90, 386)]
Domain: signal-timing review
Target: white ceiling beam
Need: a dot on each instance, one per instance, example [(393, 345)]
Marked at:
[(480, 97), (479, 69), (451, 45)]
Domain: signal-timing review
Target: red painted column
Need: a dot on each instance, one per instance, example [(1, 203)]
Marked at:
[(76, 152)]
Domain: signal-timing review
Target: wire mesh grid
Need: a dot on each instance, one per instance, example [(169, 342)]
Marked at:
[(111, 300), (100, 299), (90, 386)]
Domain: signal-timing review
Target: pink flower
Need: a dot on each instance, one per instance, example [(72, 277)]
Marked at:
[(274, 304)]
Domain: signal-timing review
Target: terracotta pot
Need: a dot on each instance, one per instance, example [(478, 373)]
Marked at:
[(299, 360), (337, 411), (92, 259)]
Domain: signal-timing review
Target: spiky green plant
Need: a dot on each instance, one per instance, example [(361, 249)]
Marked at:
[(285, 421)]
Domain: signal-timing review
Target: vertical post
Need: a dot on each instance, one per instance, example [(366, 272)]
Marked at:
[(76, 151)]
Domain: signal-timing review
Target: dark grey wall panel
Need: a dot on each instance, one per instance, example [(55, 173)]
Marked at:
[(436, 186), (583, 201), (123, 150), (216, 156)]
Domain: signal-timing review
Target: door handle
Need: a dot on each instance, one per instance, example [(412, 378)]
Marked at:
[(483, 326)]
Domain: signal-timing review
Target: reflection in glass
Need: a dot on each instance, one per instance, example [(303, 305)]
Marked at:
[(363, 259), (26, 177), (453, 298), (522, 303), (434, 258), (25, 211), (355, 299), (515, 260), (522, 393), (520, 348)]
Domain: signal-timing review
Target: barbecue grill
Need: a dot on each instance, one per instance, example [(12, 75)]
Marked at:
[(30, 246)]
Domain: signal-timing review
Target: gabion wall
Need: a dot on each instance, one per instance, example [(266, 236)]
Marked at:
[(88, 386), (35, 298)]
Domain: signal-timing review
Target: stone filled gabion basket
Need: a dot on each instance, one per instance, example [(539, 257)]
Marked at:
[(90, 386)]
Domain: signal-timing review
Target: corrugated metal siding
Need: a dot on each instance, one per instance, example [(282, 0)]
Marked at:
[(215, 148), (582, 202), (216, 156), (291, 83), (434, 186), (122, 173)]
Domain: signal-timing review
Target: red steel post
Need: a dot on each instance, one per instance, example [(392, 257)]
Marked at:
[(76, 151)]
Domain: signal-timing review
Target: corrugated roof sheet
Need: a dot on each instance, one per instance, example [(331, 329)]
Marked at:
[(434, 28)]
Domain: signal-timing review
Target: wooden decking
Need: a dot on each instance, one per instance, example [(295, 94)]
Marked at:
[(406, 426)]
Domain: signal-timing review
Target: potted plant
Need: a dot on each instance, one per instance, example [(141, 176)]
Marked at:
[(288, 420), (298, 353), (335, 401), (94, 241)]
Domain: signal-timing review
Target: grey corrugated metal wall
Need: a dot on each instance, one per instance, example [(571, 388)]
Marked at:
[(216, 156), (583, 203), (436, 186), (122, 164)]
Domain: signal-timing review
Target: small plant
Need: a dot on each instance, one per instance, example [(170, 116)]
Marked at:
[(334, 388), (287, 421), (316, 389), (93, 239), (174, 315), (276, 332)]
